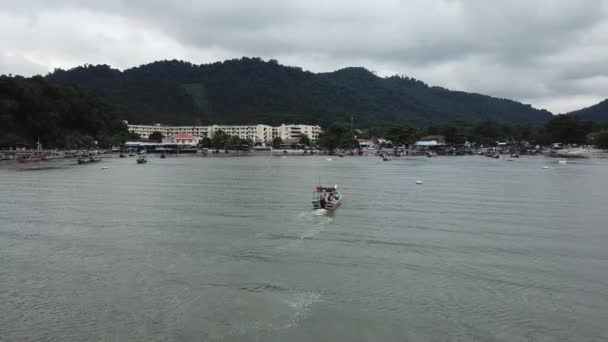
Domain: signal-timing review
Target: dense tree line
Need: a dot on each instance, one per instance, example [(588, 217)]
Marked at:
[(58, 116), (223, 141), (566, 129), (250, 90)]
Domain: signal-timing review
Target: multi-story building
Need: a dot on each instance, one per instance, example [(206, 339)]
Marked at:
[(293, 131), (257, 133), (145, 130)]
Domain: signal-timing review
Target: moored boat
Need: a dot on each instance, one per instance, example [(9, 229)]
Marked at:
[(142, 159), (328, 198), (34, 158)]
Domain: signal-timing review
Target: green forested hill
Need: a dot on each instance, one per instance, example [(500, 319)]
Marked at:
[(250, 90), (59, 116), (597, 113)]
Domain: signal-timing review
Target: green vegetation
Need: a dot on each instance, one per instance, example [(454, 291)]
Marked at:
[(305, 140), (156, 136), (276, 142), (336, 136), (250, 90), (560, 129), (206, 142), (402, 135), (596, 113), (223, 141), (568, 129), (58, 116), (600, 139)]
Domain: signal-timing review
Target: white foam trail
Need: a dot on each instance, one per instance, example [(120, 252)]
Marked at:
[(301, 304), (319, 212)]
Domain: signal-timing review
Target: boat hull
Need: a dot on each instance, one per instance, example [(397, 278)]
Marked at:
[(328, 206)]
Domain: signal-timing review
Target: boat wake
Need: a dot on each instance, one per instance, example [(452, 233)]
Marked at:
[(291, 308), (315, 224), (319, 212)]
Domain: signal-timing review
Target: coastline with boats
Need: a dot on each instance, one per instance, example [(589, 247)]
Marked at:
[(385, 153)]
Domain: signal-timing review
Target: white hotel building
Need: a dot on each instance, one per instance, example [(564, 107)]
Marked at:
[(257, 133)]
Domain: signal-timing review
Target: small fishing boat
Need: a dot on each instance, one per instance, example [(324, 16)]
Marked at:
[(163, 155), (328, 198), (27, 160), (142, 159), (33, 158), (514, 155), (84, 160), (121, 155), (94, 159), (386, 157)]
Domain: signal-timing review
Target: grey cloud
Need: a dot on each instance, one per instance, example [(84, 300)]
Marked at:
[(528, 50), (17, 65)]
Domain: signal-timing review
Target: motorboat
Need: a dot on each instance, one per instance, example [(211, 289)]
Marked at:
[(94, 159), (84, 160), (386, 157), (27, 159), (142, 159), (328, 198)]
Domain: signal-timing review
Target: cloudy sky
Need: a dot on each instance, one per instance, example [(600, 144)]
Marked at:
[(552, 54)]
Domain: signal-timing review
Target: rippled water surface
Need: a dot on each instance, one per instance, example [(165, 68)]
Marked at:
[(228, 249)]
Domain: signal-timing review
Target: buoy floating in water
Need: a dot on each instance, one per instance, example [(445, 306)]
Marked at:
[(418, 182)]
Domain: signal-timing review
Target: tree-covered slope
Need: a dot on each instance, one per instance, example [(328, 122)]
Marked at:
[(32, 109), (250, 90), (597, 113)]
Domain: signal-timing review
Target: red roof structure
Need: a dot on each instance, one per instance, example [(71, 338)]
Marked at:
[(183, 136)]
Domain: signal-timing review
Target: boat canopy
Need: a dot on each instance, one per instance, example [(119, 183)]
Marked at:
[(326, 188)]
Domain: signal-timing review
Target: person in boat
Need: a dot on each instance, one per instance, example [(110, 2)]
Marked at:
[(322, 202)]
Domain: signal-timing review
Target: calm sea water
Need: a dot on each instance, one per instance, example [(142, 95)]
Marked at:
[(228, 249)]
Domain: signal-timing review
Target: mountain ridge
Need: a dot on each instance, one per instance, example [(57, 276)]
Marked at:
[(250, 90), (596, 113)]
